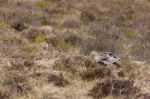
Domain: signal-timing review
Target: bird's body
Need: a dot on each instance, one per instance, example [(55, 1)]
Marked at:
[(105, 58)]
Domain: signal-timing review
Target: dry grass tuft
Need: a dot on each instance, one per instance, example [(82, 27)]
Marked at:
[(16, 84), (113, 87), (74, 64), (71, 23), (58, 80), (93, 73)]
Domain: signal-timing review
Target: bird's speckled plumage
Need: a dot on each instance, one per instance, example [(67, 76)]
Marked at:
[(105, 58)]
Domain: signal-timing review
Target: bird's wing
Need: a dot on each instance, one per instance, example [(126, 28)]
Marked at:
[(104, 59)]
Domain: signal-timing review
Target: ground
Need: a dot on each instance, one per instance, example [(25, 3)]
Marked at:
[(45, 49)]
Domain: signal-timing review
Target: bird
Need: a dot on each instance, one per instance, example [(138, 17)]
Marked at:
[(105, 58)]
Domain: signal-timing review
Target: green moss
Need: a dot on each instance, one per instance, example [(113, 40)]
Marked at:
[(39, 38), (127, 17), (63, 45), (129, 34), (42, 4)]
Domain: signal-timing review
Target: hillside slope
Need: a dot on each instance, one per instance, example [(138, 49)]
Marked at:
[(45, 49)]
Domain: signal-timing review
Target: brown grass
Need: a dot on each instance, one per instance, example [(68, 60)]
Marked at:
[(45, 46)]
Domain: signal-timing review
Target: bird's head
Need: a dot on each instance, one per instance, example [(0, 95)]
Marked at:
[(114, 58)]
